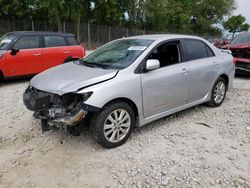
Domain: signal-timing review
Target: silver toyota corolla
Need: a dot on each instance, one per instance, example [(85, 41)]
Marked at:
[(130, 82)]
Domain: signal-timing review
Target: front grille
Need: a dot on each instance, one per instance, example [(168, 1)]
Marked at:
[(242, 65), (242, 53)]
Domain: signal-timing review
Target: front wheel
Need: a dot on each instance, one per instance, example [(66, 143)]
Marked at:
[(113, 124), (218, 93)]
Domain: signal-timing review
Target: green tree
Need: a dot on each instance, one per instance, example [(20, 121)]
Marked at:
[(236, 24)]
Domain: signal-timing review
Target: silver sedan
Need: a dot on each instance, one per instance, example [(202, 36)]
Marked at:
[(130, 82)]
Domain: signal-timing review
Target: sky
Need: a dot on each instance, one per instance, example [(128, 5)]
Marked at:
[(242, 7)]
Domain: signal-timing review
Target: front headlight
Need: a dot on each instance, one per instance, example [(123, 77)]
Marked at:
[(85, 96)]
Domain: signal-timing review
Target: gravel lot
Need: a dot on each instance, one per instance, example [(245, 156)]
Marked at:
[(199, 147)]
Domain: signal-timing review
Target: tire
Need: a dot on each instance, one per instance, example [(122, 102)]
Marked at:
[(218, 93), (113, 124), (44, 125)]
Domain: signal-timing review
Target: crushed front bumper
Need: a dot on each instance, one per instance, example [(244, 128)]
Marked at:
[(57, 110), (242, 65)]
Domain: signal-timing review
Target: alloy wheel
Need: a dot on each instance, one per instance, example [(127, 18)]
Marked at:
[(117, 125)]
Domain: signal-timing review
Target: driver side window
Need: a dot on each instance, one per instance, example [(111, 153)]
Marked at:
[(167, 53), (27, 42)]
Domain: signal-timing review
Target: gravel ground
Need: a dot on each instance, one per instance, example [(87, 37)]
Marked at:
[(198, 147)]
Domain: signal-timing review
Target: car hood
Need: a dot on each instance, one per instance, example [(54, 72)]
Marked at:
[(239, 46), (70, 77)]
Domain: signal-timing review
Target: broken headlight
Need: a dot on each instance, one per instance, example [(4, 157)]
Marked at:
[(85, 96)]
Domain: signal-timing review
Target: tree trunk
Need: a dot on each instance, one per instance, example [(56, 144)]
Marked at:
[(58, 21), (233, 35), (78, 25)]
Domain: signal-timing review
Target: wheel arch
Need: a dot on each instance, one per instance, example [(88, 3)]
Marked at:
[(226, 78), (128, 101)]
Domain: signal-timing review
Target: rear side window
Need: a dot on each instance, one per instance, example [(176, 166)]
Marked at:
[(196, 49), (54, 41), (72, 41), (27, 42)]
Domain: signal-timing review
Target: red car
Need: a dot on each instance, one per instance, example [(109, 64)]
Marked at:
[(29, 53), (240, 47)]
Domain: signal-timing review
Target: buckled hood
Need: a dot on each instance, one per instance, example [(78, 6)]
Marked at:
[(70, 77)]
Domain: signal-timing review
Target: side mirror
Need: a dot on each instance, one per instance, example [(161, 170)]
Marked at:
[(14, 51), (152, 64)]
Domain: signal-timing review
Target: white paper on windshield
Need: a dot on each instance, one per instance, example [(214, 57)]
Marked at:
[(6, 41), (139, 48)]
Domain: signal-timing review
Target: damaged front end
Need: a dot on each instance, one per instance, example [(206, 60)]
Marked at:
[(242, 59), (240, 48), (55, 110)]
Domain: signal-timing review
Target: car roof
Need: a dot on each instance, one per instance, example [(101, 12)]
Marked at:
[(41, 33), (163, 37)]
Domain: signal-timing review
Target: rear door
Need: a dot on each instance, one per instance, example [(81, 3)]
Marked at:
[(55, 51), (76, 50), (27, 60), (203, 68), (167, 87)]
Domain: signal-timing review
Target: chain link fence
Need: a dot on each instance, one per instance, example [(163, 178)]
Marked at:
[(90, 35)]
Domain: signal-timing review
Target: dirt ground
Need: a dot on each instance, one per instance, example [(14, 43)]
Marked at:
[(198, 147)]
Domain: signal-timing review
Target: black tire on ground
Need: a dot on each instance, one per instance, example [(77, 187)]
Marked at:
[(99, 118), (213, 102), (44, 125)]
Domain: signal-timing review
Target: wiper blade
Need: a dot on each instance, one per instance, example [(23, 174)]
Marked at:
[(94, 64)]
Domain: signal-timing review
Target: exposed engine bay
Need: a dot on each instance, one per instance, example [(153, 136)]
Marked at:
[(65, 110)]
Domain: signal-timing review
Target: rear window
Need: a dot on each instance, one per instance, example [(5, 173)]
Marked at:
[(54, 41), (72, 41), (197, 50)]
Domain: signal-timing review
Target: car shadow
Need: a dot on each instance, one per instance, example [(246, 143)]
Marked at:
[(86, 137), (15, 81), (242, 76)]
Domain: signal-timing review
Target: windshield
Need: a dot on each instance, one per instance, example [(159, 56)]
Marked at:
[(5, 41), (241, 39), (118, 54)]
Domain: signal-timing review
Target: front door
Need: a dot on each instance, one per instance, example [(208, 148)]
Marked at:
[(28, 58), (168, 86)]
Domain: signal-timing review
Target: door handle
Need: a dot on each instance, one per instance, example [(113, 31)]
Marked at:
[(215, 64), (66, 52), (184, 71), (37, 54)]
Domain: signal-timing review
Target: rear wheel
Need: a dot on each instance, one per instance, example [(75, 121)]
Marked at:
[(218, 93), (113, 124)]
